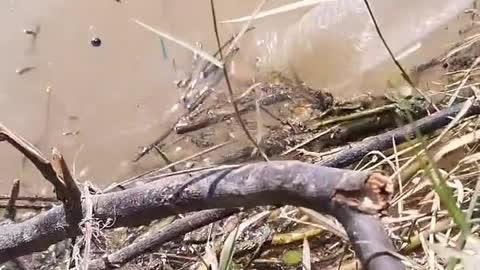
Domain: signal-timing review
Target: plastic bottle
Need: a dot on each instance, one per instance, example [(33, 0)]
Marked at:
[(336, 42)]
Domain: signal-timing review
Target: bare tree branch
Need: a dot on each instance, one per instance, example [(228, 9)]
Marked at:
[(55, 172), (323, 189), (34, 155)]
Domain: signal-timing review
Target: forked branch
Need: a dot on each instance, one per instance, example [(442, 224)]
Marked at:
[(55, 172)]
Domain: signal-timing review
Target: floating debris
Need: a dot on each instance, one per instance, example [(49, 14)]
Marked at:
[(164, 49), (71, 133), (21, 71), (31, 32), (96, 42)]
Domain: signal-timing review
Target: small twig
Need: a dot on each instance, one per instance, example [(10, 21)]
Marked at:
[(177, 228), (463, 82), (71, 190), (10, 214), (145, 150), (10, 211), (88, 228), (392, 56), (358, 115), (215, 117), (307, 141), (260, 243), (227, 80), (259, 118), (230, 40), (164, 157), (171, 165)]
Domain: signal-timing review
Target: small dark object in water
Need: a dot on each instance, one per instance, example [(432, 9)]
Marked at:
[(24, 70), (30, 32), (96, 42)]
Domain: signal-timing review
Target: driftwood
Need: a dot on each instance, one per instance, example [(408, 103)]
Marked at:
[(332, 191)]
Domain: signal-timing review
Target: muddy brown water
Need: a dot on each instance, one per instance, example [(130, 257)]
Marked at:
[(110, 99)]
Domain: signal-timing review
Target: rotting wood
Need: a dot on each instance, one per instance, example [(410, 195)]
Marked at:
[(324, 189)]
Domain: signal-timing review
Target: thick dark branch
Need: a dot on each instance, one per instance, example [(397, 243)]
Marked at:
[(284, 182), (367, 235), (384, 141)]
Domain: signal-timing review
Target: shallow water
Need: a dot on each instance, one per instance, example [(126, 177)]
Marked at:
[(116, 96)]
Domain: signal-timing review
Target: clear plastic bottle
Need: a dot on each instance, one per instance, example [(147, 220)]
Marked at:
[(336, 42)]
